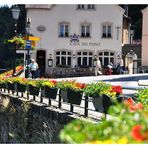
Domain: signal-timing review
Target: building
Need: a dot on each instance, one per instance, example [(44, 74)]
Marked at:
[(74, 35), (145, 37)]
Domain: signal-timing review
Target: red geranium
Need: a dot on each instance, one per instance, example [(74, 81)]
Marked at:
[(138, 133), (132, 105), (117, 89)]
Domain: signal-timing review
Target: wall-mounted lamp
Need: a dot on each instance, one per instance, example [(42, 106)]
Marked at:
[(50, 56), (50, 62), (74, 56)]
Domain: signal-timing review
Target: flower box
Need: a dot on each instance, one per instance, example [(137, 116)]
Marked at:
[(71, 96), (33, 90), (20, 87), (50, 92)]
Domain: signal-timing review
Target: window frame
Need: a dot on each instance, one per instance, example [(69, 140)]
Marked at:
[(61, 56), (87, 27), (111, 55), (64, 34), (107, 30)]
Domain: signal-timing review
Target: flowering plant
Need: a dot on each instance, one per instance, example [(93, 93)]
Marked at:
[(18, 41), (97, 89), (142, 96), (129, 127), (72, 84), (49, 83)]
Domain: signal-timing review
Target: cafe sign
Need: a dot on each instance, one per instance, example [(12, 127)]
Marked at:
[(74, 41)]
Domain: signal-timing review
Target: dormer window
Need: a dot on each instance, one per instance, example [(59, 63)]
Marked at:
[(81, 6), (86, 7), (91, 6)]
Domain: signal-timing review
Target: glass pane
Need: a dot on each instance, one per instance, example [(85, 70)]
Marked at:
[(79, 61), (90, 61), (61, 30), (112, 54), (63, 62), (79, 53), (90, 53), (106, 53), (84, 53), (58, 53), (57, 61), (69, 53), (63, 52), (69, 61), (106, 61), (112, 60), (84, 61), (100, 53)]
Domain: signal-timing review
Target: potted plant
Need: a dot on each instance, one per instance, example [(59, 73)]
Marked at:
[(18, 41), (33, 87), (49, 88), (20, 83), (95, 92), (71, 91)]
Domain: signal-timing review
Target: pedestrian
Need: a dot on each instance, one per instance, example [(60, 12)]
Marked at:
[(98, 67), (109, 70), (33, 68), (120, 66)]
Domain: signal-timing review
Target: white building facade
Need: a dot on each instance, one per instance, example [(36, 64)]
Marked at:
[(74, 35)]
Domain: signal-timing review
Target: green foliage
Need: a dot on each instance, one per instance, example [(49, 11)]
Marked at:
[(143, 97), (118, 130), (96, 89)]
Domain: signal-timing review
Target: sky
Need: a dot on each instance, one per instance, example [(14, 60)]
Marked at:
[(10, 2)]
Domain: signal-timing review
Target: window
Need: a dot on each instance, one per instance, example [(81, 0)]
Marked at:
[(86, 7), (63, 58), (85, 30), (85, 59), (91, 6), (64, 30), (107, 31), (106, 57), (81, 6)]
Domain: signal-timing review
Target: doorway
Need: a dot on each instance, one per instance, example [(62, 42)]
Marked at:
[(41, 61)]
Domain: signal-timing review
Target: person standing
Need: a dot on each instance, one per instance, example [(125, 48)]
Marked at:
[(98, 67), (33, 68), (120, 66)]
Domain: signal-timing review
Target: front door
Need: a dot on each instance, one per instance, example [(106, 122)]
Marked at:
[(41, 61)]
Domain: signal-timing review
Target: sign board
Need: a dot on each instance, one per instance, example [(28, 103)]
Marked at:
[(28, 44)]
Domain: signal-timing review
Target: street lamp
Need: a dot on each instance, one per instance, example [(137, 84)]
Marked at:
[(28, 46), (15, 13)]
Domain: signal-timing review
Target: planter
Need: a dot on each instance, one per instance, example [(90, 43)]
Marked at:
[(102, 103), (50, 92), (70, 96), (64, 95), (10, 86), (20, 87), (33, 90), (3, 85), (98, 104)]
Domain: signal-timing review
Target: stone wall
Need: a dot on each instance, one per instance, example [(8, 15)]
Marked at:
[(23, 121)]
